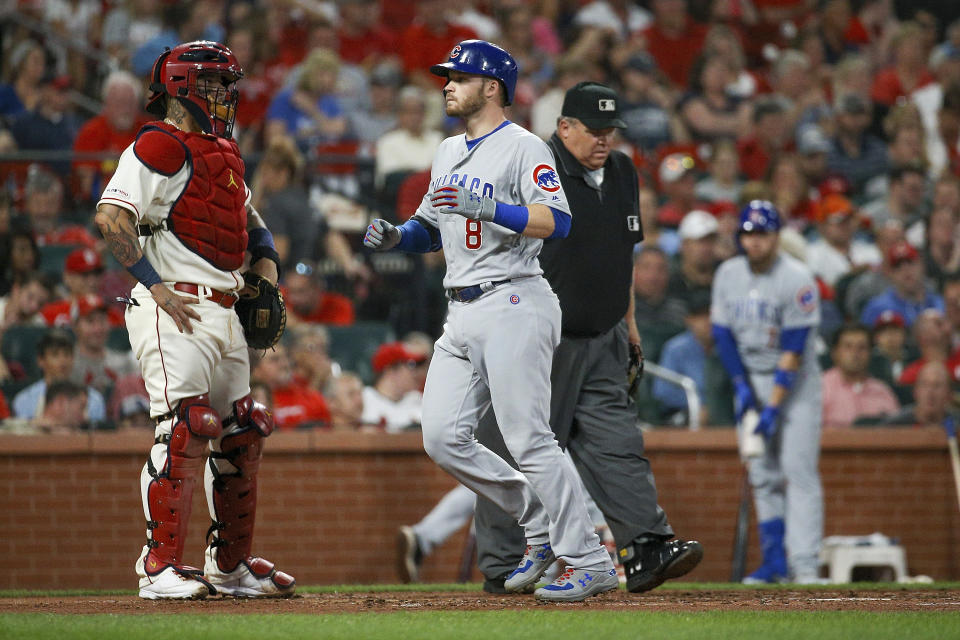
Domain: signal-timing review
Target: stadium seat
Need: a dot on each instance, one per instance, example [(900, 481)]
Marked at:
[(53, 257), (20, 345), (118, 339), (353, 346)]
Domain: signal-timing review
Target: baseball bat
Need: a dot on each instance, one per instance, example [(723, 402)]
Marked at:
[(949, 425), (741, 537), (955, 462)]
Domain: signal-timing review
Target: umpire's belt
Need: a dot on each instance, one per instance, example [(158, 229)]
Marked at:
[(466, 294), (222, 298)]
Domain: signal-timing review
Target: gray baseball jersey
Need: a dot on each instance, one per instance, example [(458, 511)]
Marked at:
[(757, 308), (497, 349), (510, 165)]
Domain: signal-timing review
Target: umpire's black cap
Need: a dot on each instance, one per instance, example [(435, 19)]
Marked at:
[(595, 105)]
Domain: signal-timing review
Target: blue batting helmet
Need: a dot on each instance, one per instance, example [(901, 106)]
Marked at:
[(759, 215), (482, 58)]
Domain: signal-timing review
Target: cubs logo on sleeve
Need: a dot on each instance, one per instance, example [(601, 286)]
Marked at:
[(807, 299), (545, 177)]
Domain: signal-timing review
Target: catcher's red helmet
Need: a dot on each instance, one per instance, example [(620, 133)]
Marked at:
[(201, 75)]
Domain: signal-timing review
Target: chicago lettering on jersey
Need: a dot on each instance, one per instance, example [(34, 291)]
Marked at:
[(474, 184), (756, 310)]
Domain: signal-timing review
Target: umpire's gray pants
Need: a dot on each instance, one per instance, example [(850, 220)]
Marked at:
[(595, 421)]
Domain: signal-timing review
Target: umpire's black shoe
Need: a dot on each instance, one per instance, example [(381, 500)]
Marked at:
[(650, 564)]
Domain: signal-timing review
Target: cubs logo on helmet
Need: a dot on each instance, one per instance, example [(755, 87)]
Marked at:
[(545, 177), (481, 58), (759, 215)]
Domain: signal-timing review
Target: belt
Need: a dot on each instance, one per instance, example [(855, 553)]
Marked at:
[(466, 294), (222, 298)]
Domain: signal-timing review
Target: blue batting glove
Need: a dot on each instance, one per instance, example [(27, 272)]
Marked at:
[(743, 400), (767, 426)]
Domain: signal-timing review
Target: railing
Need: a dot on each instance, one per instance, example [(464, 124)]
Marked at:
[(684, 382)]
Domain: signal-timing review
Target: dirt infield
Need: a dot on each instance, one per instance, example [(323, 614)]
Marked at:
[(678, 601)]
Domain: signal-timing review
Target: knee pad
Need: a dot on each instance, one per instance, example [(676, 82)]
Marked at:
[(232, 483), (169, 491)]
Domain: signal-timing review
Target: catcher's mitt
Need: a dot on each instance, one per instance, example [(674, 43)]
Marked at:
[(262, 313)]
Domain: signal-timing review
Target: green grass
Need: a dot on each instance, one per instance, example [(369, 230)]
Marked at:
[(541, 625)]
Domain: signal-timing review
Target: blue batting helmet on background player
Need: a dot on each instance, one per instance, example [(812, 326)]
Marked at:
[(759, 215), (481, 58)]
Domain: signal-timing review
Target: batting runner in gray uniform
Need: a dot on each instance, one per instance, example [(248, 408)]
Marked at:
[(494, 195), (591, 411), (765, 311)]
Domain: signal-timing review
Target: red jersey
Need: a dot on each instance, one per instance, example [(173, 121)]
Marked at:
[(887, 86), (420, 48), (294, 405), (675, 55), (62, 313), (98, 135), (332, 308), (376, 41)]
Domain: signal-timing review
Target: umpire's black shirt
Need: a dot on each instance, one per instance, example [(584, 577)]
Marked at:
[(592, 268)]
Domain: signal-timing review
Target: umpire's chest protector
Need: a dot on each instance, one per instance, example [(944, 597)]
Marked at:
[(209, 217)]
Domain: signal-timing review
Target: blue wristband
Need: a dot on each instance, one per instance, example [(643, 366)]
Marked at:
[(511, 216), (784, 378), (260, 237), (144, 272)]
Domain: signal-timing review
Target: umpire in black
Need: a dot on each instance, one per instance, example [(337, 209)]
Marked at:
[(592, 414)]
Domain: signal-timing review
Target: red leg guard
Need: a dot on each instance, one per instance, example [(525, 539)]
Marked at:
[(170, 493), (234, 490)]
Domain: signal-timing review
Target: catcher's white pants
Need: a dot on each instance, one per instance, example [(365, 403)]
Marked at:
[(213, 359), (498, 349)]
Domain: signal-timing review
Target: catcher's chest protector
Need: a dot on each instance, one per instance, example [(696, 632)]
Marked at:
[(209, 217)]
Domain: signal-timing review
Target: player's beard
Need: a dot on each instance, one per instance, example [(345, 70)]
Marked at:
[(468, 106)]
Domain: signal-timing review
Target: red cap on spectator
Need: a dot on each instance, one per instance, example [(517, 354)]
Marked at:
[(83, 261), (90, 303), (393, 352), (834, 205), (723, 208), (901, 252), (889, 318), (833, 184)]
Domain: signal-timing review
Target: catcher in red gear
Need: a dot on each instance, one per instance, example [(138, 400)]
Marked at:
[(177, 215)]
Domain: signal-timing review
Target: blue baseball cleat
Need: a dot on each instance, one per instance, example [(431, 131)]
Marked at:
[(575, 585), (536, 560)]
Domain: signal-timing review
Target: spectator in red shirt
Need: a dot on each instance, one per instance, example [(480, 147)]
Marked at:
[(429, 40), (82, 276), (309, 301), (791, 194), (674, 40), (363, 38), (295, 406), (931, 333), (771, 136), (909, 69), (110, 132), (312, 366)]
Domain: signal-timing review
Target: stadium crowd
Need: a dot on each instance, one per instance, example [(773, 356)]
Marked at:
[(844, 113)]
